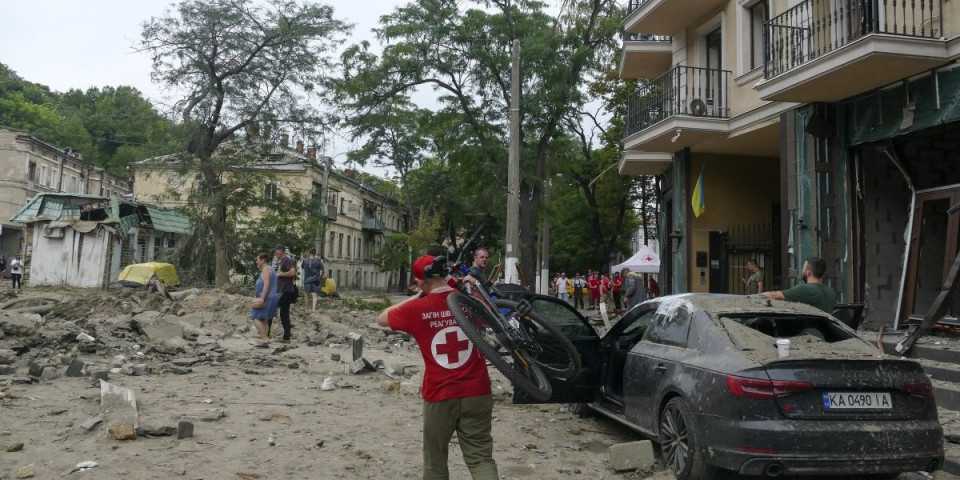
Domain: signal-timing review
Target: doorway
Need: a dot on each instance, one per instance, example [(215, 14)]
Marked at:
[(933, 247)]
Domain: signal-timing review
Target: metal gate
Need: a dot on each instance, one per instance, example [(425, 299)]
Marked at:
[(748, 242)]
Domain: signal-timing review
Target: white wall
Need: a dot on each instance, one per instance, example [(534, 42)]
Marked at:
[(55, 261)]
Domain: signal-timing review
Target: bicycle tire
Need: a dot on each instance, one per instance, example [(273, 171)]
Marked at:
[(552, 341), (474, 318)]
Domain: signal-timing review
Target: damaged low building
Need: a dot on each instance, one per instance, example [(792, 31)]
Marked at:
[(86, 240)]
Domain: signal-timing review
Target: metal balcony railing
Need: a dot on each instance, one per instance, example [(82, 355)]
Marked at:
[(817, 27), (693, 91), (646, 37), (634, 4), (331, 212)]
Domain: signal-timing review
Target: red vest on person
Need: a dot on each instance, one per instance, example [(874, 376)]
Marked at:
[(454, 367)]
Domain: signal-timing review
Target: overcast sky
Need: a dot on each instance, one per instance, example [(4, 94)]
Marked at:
[(68, 44)]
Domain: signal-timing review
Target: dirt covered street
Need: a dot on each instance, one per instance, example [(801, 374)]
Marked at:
[(257, 413), (297, 411)]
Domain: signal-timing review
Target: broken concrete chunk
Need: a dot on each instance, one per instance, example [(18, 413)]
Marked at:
[(8, 370), (632, 456), (156, 431), (91, 423), (25, 471), (141, 369), (75, 368), (335, 357), (35, 369), (361, 365), (98, 375), (124, 431), (356, 344), (50, 373), (118, 404), (184, 429), (18, 324), (16, 447), (7, 357)]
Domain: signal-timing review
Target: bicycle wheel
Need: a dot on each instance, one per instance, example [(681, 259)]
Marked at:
[(550, 349), (482, 327)]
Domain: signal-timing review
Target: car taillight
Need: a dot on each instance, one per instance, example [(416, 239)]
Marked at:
[(758, 389), (924, 388)]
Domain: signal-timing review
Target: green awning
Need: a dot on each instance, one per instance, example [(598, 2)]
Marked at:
[(169, 221)]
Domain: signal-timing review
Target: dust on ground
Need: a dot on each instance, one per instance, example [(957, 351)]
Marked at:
[(257, 413), (297, 411)]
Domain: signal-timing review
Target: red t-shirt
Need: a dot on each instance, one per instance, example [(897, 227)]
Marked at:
[(617, 284), (454, 367), (594, 285)]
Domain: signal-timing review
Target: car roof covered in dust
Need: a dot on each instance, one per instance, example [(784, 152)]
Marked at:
[(722, 304)]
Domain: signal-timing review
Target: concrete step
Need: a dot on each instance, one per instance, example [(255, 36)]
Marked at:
[(946, 352), (950, 420), (947, 394)]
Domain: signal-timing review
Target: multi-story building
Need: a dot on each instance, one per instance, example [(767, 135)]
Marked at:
[(357, 217), (29, 166), (818, 127)]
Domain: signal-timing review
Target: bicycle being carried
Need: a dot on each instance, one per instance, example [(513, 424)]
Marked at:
[(511, 336)]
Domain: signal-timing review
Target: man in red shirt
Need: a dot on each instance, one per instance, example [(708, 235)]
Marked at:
[(617, 293), (456, 385), (593, 284)]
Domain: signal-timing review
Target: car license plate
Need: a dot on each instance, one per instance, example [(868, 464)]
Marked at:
[(856, 401)]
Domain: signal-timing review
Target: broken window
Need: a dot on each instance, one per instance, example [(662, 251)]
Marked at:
[(790, 326)]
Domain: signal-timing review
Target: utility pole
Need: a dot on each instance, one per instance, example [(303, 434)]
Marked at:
[(325, 192), (511, 275), (544, 284)]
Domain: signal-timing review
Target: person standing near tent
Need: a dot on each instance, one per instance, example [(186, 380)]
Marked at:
[(634, 290), (617, 286)]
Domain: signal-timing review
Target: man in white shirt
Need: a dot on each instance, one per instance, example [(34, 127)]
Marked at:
[(561, 286), (16, 272)]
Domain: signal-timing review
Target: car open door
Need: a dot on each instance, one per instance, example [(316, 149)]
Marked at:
[(584, 387)]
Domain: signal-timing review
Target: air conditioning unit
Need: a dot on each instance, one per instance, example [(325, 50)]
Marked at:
[(700, 107), (52, 232)]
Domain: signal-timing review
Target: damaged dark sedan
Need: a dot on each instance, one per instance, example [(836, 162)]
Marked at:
[(702, 376)]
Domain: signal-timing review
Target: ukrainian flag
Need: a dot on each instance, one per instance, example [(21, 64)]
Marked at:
[(699, 202)]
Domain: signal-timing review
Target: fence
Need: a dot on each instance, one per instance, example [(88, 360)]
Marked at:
[(683, 90)]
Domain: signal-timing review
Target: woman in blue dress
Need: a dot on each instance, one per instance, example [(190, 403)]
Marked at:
[(265, 305)]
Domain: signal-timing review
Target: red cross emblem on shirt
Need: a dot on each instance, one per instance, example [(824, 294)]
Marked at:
[(448, 348)]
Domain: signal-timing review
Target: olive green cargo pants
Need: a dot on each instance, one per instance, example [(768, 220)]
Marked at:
[(471, 418)]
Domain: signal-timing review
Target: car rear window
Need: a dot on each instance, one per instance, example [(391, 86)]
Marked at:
[(561, 317), (810, 337), (791, 326)]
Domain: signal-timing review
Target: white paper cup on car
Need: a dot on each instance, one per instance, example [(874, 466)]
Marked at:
[(783, 346)]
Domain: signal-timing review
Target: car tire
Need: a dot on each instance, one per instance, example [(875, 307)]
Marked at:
[(680, 447), (579, 409)]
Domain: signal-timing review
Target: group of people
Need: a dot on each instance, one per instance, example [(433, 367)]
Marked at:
[(16, 271), (625, 288), (276, 290)]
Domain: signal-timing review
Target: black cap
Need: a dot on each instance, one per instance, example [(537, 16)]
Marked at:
[(280, 247)]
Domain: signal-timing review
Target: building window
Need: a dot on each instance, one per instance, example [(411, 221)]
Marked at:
[(340, 246), (43, 175), (759, 13), (32, 171), (358, 248), (316, 193), (73, 184), (333, 239), (348, 246), (343, 206), (270, 191)]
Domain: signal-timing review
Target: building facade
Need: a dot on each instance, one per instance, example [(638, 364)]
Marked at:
[(357, 217), (818, 127), (29, 166)]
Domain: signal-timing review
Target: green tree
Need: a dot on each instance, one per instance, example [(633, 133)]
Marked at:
[(242, 64), (462, 51)]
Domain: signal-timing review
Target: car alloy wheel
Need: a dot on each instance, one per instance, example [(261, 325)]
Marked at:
[(674, 440), (680, 443)]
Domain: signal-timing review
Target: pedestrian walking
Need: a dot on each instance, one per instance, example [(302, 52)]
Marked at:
[(456, 386), (754, 283), (3, 266), (264, 306), (16, 273), (634, 290), (578, 286), (286, 288)]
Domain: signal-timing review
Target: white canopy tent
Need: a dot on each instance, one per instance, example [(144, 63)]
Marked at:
[(646, 260)]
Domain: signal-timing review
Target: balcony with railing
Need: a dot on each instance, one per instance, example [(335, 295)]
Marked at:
[(665, 17), (331, 212), (372, 224), (645, 55), (827, 50), (681, 108)]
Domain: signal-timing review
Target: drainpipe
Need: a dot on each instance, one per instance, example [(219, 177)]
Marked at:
[(888, 151)]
